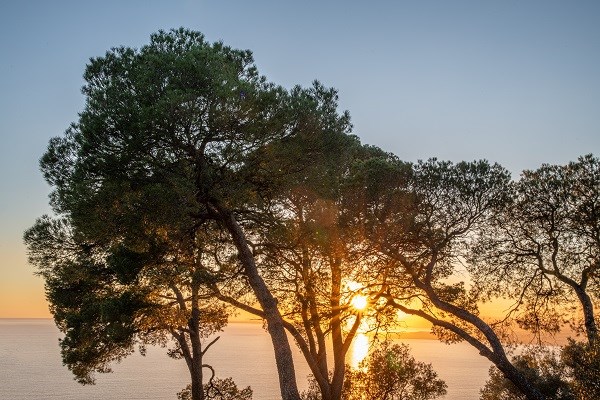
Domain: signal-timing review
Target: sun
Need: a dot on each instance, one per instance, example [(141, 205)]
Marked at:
[(359, 302)]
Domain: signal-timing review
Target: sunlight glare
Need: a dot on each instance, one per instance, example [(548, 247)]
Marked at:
[(360, 349), (359, 302)]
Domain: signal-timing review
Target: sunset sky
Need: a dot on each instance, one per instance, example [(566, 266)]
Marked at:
[(513, 82)]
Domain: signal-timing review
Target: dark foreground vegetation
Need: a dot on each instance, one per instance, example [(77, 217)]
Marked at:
[(191, 186)]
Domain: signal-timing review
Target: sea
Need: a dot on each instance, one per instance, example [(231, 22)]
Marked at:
[(31, 367)]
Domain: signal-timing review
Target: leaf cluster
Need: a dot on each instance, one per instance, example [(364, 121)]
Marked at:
[(391, 373)]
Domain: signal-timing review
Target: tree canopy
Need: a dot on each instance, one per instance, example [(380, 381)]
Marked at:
[(391, 373), (191, 184), (176, 155), (543, 248)]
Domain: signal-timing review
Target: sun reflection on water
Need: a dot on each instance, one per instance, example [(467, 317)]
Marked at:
[(360, 349)]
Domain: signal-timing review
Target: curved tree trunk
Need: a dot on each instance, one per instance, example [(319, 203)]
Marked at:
[(275, 325), (587, 306), (518, 379), (497, 355), (591, 330)]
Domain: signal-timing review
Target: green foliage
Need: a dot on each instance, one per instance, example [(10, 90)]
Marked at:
[(542, 368), (543, 247), (98, 317), (219, 389), (126, 264), (164, 128), (435, 209), (391, 373), (181, 145), (583, 361), (184, 154), (429, 215)]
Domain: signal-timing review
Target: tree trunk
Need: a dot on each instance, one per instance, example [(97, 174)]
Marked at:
[(196, 370), (275, 327), (517, 378), (193, 356), (337, 339), (589, 320), (498, 355), (591, 329)]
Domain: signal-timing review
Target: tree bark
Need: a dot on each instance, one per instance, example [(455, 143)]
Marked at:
[(275, 325), (589, 320), (591, 329), (498, 355), (339, 356), (519, 380), (196, 370)]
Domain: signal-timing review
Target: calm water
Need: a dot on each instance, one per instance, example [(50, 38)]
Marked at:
[(30, 366)]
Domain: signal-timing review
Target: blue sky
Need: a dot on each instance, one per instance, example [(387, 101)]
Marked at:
[(510, 81)]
